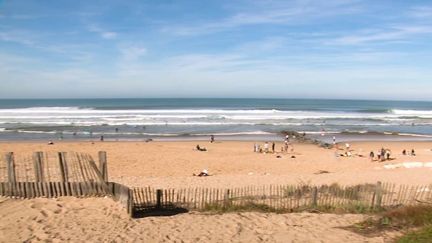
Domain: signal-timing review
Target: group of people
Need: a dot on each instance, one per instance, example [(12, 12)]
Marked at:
[(266, 147), (381, 155), (404, 152), (385, 154)]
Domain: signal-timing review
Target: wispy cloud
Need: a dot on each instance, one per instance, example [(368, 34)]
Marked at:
[(132, 52), (283, 13), (16, 37), (103, 33), (393, 34), (265, 45), (421, 12)]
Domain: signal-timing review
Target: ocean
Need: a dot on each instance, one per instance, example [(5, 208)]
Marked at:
[(165, 119)]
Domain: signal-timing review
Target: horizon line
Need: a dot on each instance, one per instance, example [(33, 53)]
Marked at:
[(214, 98)]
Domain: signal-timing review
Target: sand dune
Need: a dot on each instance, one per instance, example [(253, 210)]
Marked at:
[(101, 220)]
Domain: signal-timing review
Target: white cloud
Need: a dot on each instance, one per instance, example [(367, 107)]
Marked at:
[(396, 33), (132, 52), (421, 12), (278, 12), (103, 33), (16, 37)]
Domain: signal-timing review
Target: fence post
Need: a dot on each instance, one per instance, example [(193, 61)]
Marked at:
[(314, 196), (63, 167), (130, 208), (11, 167), (158, 198), (103, 165), (226, 198), (38, 166), (378, 194)]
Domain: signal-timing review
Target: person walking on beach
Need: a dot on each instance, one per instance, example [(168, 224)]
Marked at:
[(211, 138), (273, 147), (383, 153), (266, 147), (371, 156), (286, 146)]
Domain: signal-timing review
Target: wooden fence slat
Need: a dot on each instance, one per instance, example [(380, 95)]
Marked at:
[(103, 169), (63, 168), (11, 167)]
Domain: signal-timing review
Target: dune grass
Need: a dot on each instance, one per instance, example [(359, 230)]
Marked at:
[(415, 221), (421, 236)]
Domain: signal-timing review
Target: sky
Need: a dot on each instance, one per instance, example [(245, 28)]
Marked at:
[(236, 48)]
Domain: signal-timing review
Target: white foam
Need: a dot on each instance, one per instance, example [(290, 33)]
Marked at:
[(235, 133), (428, 164), (420, 113), (409, 165), (412, 165)]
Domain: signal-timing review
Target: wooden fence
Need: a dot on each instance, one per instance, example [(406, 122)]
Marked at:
[(53, 189), (75, 174), (283, 197), (57, 174), (52, 167)]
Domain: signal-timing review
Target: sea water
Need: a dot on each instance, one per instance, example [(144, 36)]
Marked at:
[(198, 118)]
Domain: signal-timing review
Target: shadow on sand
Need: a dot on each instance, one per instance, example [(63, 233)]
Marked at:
[(153, 211)]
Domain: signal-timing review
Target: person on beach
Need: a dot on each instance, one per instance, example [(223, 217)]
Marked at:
[(273, 147), (266, 147), (50, 142), (383, 153), (200, 149), (211, 138), (404, 152), (371, 155), (334, 140), (255, 147), (388, 154), (203, 173), (102, 138), (413, 152), (286, 146)]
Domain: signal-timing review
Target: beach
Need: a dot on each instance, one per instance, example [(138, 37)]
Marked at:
[(230, 164), (234, 164)]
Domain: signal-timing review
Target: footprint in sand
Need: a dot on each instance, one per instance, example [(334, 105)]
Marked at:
[(44, 213), (37, 205)]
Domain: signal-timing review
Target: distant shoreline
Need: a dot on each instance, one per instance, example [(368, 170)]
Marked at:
[(276, 137)]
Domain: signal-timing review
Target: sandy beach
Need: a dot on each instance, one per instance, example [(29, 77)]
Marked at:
[(231, 164), (101, 220), (172, 164)]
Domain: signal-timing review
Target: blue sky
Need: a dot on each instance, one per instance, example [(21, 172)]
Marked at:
[(259, 48)]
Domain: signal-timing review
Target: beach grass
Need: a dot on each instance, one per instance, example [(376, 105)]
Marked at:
[(350, 208), (414, 221)]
